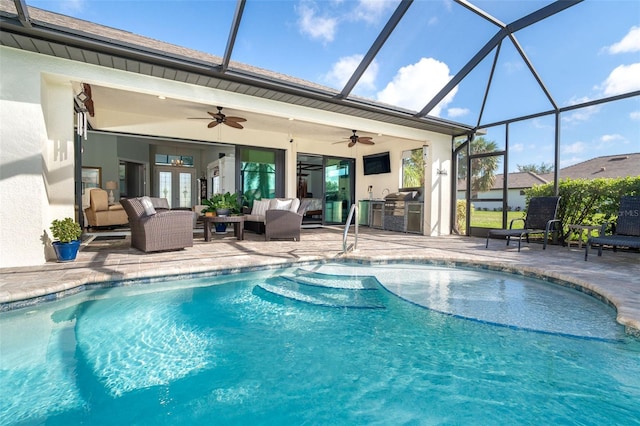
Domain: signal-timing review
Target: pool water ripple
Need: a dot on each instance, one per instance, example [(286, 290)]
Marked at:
[(197, 353)]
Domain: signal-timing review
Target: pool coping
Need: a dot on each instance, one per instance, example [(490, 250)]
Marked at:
[(87, 283)]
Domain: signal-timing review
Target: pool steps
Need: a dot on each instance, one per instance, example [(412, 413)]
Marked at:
[(334, 291)]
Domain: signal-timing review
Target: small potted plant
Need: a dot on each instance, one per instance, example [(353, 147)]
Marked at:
[(223, 205), (67, 234)]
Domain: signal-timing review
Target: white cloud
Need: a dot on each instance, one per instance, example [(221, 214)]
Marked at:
[(629, 43), (582, 114), (611, 138), (571, 161), (623, 79), (516, 147), (317, 27), (73, 6), (513, 67), (457, 112), (371, 11), (574, 148), (634, 115), (414, 85), (344, 68)]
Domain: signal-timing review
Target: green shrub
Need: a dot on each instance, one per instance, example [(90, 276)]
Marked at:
[(588, 201), (65, 230)]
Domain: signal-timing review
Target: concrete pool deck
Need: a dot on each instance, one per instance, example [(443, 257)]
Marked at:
[(614, 277)]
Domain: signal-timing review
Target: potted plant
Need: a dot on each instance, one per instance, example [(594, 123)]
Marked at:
[(67, 234), (223, 205)]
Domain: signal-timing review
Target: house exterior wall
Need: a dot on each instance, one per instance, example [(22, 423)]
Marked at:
[(37, 153)]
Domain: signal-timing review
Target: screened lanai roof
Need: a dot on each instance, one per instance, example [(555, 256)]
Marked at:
[(437, 65)]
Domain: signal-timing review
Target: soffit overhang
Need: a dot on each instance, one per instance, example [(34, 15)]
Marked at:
[(157, 59)]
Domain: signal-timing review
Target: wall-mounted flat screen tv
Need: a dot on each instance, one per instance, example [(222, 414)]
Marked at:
[(376, 163)]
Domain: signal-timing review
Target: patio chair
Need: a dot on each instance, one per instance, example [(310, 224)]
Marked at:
[(627, 229), (155, 228), (284, 224), (541, 216)]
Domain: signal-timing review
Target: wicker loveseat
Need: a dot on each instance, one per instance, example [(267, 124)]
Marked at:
[(154, 227), (275, 218)]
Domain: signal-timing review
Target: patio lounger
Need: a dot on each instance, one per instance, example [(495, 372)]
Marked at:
[(541, 215), (627, 230)]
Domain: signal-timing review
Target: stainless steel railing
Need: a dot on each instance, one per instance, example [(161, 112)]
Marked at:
[(353, 211)]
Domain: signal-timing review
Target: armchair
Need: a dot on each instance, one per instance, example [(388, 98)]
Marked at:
[(282, 224), (161, 229), (100, 213)]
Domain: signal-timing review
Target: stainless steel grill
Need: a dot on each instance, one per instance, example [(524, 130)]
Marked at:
[(395, 210)]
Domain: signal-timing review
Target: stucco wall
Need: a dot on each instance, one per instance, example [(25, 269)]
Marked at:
[(37, 153), (36, 158)]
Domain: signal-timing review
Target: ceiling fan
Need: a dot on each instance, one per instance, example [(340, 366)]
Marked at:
[(353, 139), (218, 117)]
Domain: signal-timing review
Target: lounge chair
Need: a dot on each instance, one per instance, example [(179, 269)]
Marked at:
[(627, 229), (541, 216)]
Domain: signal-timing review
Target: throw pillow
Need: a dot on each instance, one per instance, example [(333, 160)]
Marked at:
[(149, 210), (260, 207), (282, 205)]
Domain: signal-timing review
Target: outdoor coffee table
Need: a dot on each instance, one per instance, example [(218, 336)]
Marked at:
[(237, 221)]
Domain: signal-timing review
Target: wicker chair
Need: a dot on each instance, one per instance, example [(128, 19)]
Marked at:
[(284, 224), (627, 230), (541, 216), (156, 228)]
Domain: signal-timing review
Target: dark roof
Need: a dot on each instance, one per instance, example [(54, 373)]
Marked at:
[(66, 37), (608, 166)]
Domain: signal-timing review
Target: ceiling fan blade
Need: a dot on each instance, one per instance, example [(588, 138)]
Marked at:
[(213, 114), (237, 119), (233, 124), (198, 118), (212, 124), (366, 141), (352, 143)]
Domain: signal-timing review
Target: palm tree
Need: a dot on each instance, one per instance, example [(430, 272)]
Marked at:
[(413, 170), (482, 169)]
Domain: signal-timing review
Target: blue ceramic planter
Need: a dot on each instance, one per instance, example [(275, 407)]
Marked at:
[(66, 252)]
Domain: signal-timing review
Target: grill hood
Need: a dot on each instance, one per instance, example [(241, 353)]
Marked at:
[(400, 196)]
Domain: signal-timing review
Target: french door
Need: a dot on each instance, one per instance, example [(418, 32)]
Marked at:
[(176, 184)]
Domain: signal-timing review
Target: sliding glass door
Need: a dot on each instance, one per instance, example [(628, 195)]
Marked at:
[(339, 189), (261, 173)]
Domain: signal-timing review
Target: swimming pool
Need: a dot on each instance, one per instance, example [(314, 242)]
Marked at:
[(318, 344)]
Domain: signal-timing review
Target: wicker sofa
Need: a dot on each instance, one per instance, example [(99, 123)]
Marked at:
[(279, 218), (154, 227)]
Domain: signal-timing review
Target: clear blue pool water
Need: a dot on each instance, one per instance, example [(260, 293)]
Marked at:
[(321, 344)]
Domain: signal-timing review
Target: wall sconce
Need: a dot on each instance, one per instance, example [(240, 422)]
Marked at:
[(442, 172), (111, 185)]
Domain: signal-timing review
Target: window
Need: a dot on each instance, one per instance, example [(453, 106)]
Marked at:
[(412, 169), (174, 160)]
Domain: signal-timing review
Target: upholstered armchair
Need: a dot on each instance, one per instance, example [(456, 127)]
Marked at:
[(100, 213), (155, 228)]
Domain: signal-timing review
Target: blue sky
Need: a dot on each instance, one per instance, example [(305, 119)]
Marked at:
[(588, 52)]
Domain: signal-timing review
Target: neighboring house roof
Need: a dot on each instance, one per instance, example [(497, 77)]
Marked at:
[(608, 166)]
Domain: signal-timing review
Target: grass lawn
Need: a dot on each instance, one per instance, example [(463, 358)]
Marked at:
[(490, 219)]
